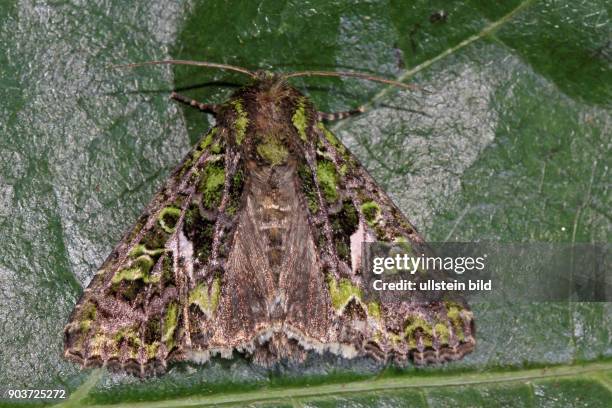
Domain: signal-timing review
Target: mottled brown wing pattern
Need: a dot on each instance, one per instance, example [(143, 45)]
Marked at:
[(136, 312), (356, 211), (254, 245)]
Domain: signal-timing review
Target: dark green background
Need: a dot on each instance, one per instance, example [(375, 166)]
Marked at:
[(508, 140)]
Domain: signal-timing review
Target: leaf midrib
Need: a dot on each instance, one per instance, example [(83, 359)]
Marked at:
[(593, 370)]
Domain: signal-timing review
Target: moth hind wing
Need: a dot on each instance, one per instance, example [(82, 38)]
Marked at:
[(421, 329), (131, 315)]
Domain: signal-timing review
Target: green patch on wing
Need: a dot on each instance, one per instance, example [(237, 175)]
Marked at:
[(342, 291), (442, 333), (453, 311), (241, 122), (374, 310), (129, 336), (417, 327), (371, 211), (300, 118), (141, 261), (140, 249), (88, 315), (206, 298), (332, 139), (208, 139), (101, 343), (198, 151), (204, 144), (140, 268), (170, 324), (328, 179), (151, 349), (168, 217), (211, 185)]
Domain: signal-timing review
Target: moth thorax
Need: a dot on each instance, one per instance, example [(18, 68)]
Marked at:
[(271, 148)]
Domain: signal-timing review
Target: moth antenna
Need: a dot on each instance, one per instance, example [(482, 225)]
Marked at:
[(360, 75), (194, 63)]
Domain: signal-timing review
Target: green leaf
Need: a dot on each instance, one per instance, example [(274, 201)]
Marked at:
[(508, 139), (583, 385)]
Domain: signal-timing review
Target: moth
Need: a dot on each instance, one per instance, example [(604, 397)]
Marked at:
[(253, 245)]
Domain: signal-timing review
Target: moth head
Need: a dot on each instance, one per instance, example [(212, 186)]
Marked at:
[(264, 75), (268, 80)]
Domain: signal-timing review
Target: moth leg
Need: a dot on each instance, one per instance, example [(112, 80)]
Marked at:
[(339, 115), (204, 107)]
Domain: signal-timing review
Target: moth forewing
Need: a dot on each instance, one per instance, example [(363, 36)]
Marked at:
[(253, 245)]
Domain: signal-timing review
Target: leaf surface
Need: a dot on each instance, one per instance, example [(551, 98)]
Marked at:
[(508, 140)]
